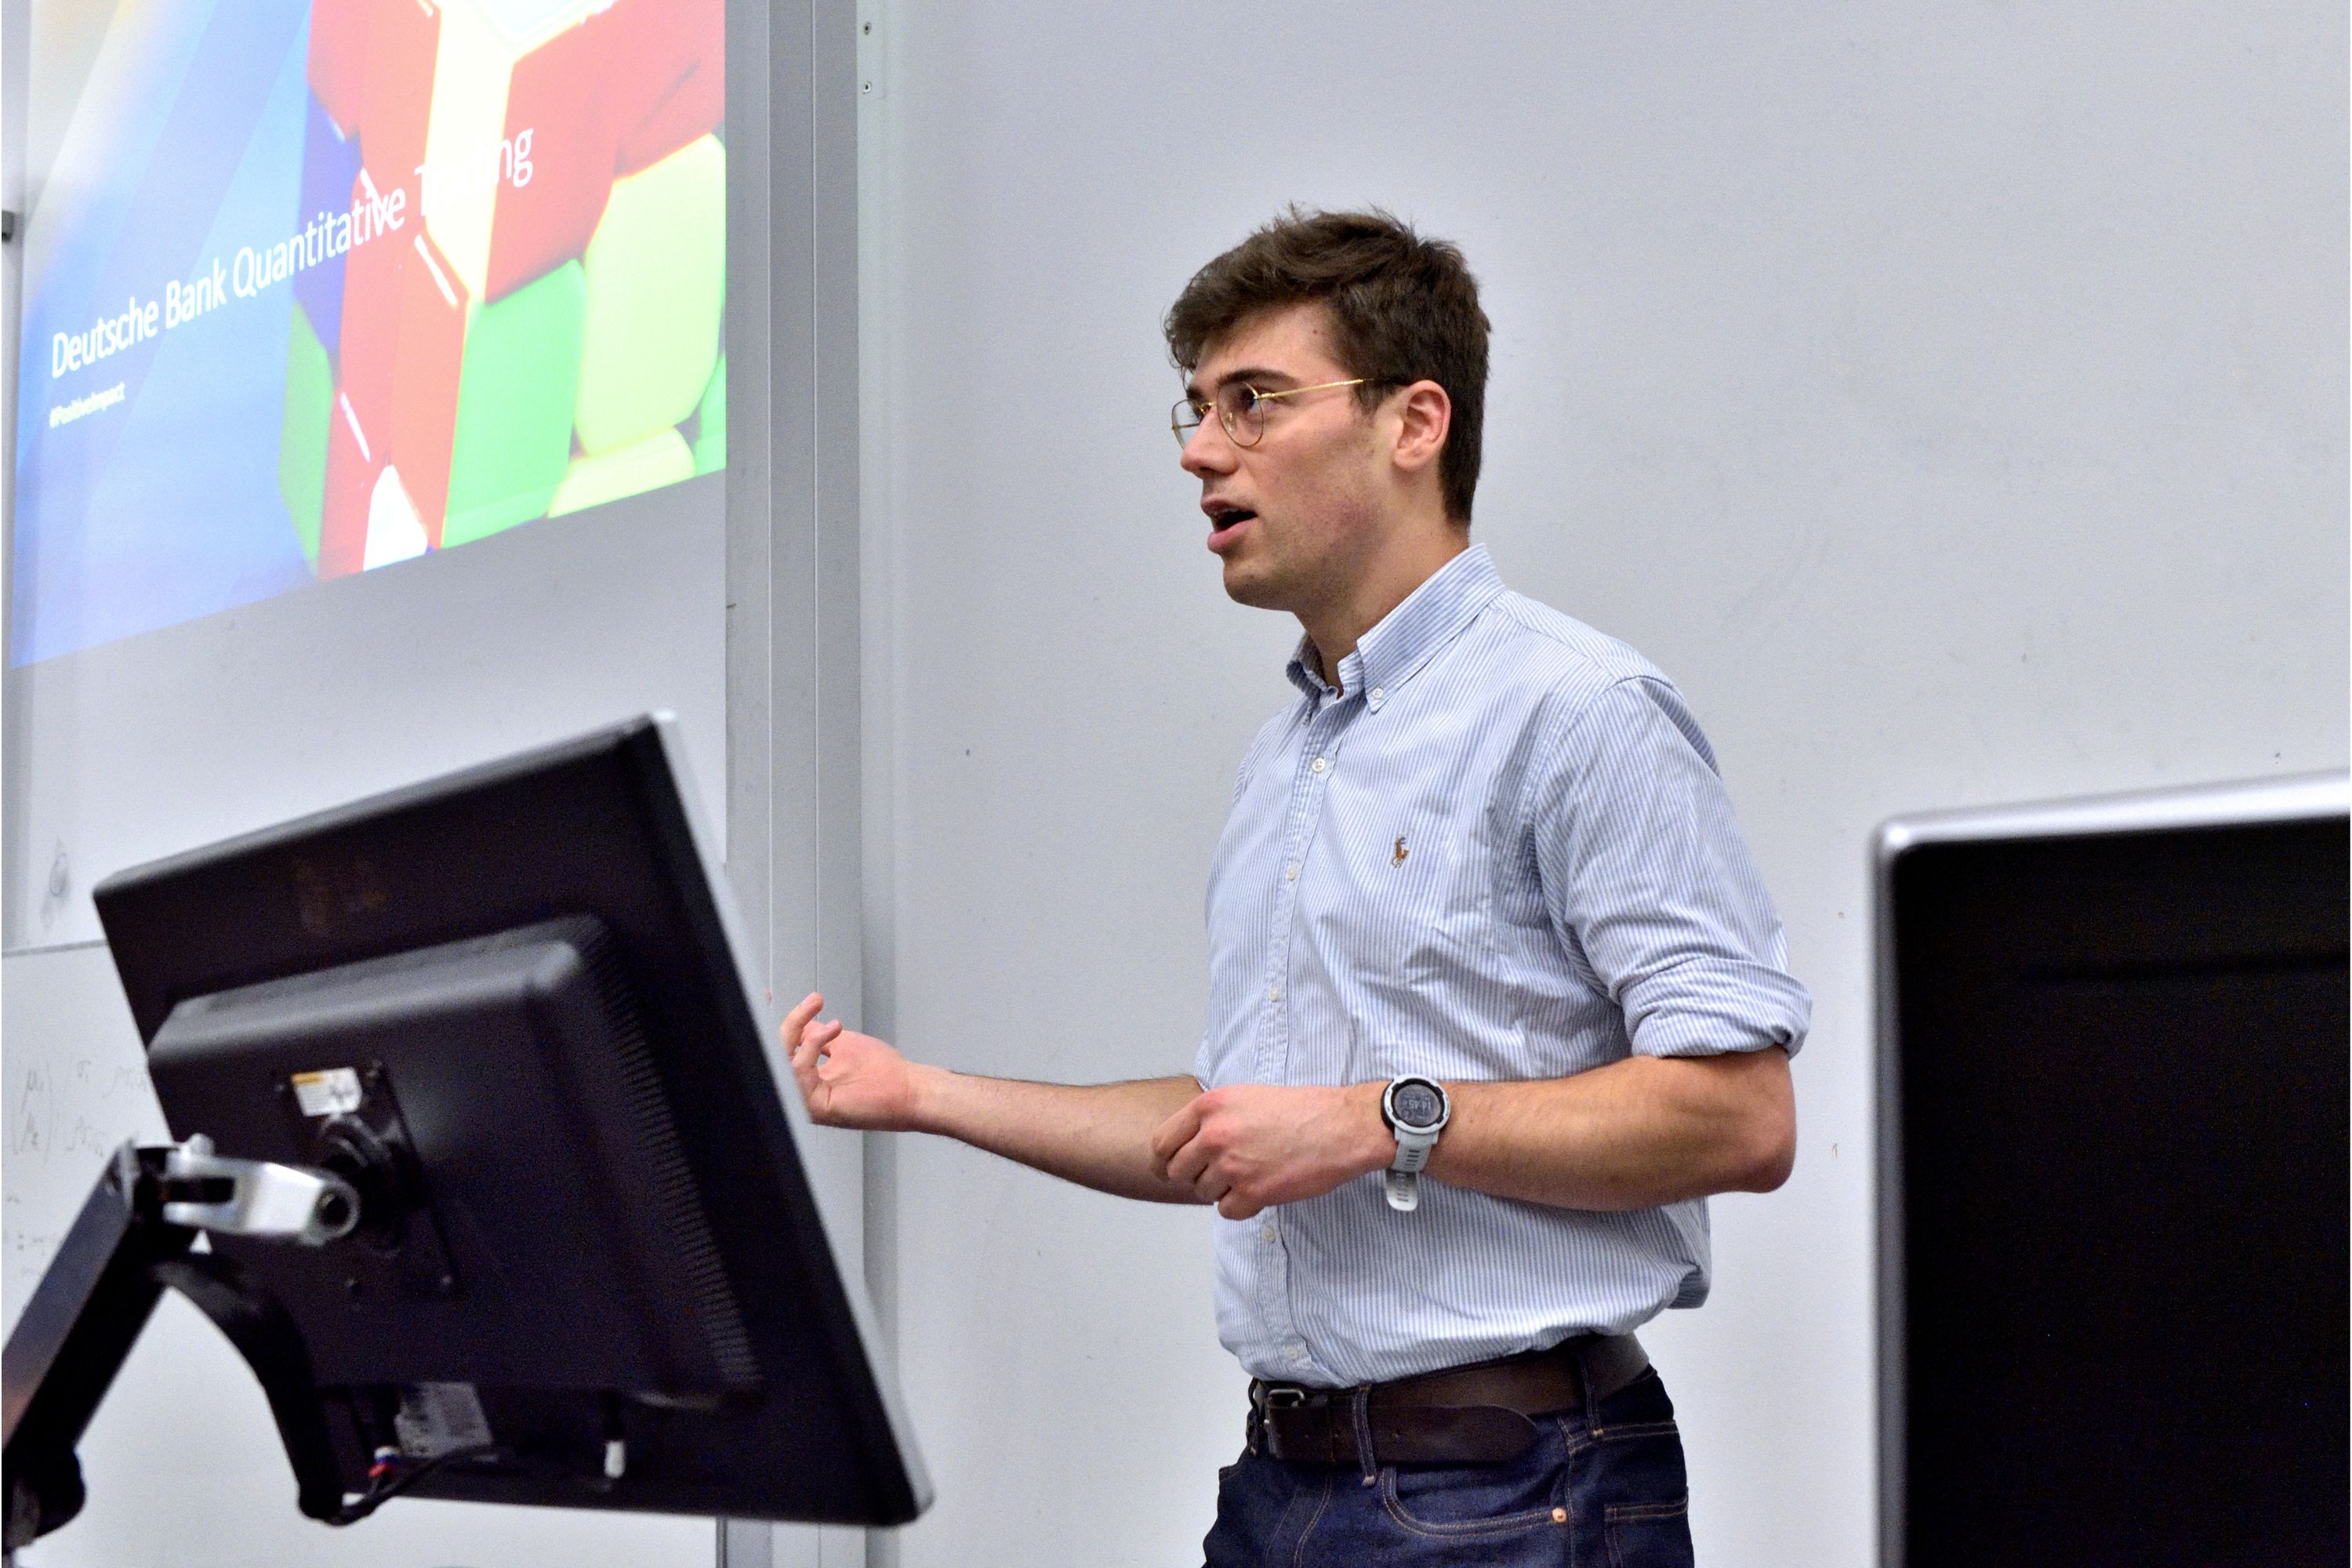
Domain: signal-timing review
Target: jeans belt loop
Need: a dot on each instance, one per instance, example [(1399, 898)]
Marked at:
[(1360, 1408)]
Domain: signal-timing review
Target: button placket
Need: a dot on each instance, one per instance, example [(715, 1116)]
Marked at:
[(1316, 749)]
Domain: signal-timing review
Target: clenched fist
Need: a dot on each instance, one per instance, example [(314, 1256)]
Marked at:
[(1247, 1146)]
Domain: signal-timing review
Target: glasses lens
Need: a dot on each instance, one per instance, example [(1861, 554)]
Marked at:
[(1185, 418), (1244, 411)]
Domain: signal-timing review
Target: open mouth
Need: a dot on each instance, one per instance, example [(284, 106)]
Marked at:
[(1224, 517)]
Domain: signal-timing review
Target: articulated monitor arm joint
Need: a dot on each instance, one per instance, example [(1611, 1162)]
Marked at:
[(133, 1237)]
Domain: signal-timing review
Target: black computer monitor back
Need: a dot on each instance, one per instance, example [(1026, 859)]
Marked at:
[(2113, 1311), (517, 992)]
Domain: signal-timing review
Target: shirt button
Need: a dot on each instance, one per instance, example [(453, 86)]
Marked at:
[(1321, 763), (1274, 993), (1378, 696), (1290, 872), (1295, 1352), (1265, 1231)]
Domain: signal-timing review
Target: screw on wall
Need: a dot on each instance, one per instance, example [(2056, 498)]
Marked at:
[(869, 60)]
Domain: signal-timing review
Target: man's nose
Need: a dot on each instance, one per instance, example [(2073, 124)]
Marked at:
[(1209, 450)]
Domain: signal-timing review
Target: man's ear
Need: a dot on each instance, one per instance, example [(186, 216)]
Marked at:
[(1424, 415)]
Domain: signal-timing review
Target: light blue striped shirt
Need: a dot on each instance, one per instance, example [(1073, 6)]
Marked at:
[(1498, 851)]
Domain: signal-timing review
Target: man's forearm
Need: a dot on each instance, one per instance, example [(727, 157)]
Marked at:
[(1634, 1134), (1098, 1136)]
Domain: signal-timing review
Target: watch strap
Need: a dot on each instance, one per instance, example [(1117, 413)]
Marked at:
[(1401, 1180)]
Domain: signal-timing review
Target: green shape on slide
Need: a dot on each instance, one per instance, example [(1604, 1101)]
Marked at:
[(710, 430), (302, 433), (656, 272), (515, 393), (661, 458)]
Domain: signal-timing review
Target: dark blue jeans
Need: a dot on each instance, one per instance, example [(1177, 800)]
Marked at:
[(1603, 1489)]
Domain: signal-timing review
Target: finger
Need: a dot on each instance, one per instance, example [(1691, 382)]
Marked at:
[(815, 1039), (1187, 1164), (1176, 1131), (809, 1062), (1211, 1186), (798, 1019), (1233, 1205)]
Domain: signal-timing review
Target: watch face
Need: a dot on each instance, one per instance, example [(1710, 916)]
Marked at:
[(1415, 1105)]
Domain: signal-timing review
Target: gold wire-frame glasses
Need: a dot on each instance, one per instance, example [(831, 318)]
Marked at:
[(1241, 409)]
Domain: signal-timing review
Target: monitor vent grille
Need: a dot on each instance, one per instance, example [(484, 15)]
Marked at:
[(699, 1262)]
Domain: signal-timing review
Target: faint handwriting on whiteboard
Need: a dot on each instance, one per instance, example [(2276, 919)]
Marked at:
[(28, 1114)]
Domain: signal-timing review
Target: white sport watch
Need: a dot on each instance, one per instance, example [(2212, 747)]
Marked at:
[(1416, 1110)]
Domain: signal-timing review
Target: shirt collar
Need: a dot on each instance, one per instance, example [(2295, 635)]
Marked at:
[(1407, 637)]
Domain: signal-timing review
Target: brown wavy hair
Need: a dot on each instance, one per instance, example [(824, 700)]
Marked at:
[(1402, 308)]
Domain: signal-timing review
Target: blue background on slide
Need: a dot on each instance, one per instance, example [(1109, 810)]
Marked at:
[(165, 507)]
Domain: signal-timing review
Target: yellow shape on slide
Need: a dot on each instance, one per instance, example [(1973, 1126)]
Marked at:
[(473, 67), (656, 281), (661, 458)]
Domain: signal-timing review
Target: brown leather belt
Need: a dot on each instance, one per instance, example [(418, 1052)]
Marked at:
[(1477, 1414)]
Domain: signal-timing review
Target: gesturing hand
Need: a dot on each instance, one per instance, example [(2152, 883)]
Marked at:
[(848, 1079), (1249, 1145)]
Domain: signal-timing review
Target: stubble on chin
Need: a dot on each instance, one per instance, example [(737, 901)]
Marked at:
[(1254, 589)]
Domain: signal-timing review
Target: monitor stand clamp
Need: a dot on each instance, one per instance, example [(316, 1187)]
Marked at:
[(134, 1238)]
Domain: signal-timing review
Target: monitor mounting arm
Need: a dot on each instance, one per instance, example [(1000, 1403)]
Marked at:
[(133, 1237)]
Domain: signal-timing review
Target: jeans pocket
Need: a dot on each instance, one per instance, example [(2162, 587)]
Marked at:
[(1458, 1501), (1649, 1534)]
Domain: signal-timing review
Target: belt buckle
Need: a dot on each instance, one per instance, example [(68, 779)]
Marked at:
[(1265, 1396)]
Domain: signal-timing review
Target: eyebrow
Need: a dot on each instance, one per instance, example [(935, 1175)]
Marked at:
[(1253, 375)]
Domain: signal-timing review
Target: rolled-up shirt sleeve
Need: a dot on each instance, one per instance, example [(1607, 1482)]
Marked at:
[(1648, 881)]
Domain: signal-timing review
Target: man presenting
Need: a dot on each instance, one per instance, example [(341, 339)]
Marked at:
[(1496, 996)]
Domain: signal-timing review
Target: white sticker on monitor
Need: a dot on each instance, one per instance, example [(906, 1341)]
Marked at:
[(327, 1093), (436, 1418)]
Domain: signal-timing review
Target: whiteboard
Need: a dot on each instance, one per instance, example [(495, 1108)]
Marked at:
[(76, 1084)]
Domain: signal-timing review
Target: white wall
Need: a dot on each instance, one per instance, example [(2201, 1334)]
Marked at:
[(1952, 397)]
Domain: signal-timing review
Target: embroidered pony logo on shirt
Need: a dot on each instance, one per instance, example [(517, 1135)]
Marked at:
[(1398, 858)]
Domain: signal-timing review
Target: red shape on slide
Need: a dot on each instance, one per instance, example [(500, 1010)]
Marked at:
[(403, 350), (402, 43), (372, 291), (339, 51), (555, 97), (668, 80), (424, 378), (354, 461)]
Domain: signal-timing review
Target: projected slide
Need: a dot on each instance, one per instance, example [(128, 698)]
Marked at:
[(318, 286)]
